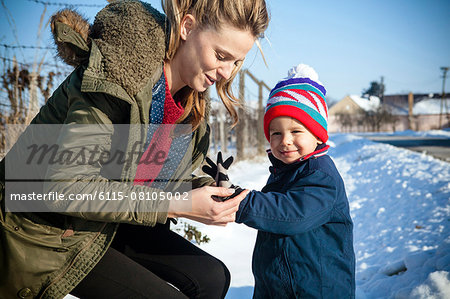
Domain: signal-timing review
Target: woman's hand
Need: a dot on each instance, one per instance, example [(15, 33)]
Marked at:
[(207, 210)]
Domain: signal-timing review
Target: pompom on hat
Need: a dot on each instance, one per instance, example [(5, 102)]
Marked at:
[(301, 96)]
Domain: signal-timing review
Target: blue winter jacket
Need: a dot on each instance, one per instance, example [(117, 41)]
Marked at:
[(304, 247)]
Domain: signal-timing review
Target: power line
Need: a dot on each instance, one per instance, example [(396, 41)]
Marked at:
[(66, 4)]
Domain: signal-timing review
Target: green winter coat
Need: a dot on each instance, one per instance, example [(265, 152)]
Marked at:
[(45, 255)]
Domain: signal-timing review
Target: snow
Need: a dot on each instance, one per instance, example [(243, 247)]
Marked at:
[(431, 106), (370, 104), (424, 106), (400, 207)]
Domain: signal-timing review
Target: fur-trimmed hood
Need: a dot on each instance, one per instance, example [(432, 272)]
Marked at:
[(129, 34)]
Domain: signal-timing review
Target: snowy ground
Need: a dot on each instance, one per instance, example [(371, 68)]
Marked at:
[(400, 205)]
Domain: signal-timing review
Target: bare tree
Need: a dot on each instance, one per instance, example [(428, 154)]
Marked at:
[(346, 121), (33, 107), (378, 117), (15, 82)]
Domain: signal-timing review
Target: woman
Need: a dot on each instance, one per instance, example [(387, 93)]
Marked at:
[(132, 66)]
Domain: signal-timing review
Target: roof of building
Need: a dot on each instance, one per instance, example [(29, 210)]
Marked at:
[(398, 104), (432, 106), (366, 104)]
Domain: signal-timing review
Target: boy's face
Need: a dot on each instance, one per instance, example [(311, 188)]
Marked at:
[(290, 140)]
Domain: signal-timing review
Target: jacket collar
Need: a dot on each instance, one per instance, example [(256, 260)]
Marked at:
[(278, 165), (123, 65), (94, 80)]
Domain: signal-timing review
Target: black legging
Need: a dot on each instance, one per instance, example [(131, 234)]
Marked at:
[(145, 262)]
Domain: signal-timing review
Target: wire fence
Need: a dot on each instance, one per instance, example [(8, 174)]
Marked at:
[(51, 3), (28, 64), (26, 47)]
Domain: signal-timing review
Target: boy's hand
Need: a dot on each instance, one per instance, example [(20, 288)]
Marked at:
[(218, 171)]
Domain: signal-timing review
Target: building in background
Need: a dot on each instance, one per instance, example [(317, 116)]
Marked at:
[(417, 112)]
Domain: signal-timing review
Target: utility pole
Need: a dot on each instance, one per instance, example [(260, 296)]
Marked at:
[(444, 69), (410, 111)]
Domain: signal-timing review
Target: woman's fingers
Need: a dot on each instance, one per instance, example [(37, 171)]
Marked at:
[(219, 191), (208, 211), (230, 207)]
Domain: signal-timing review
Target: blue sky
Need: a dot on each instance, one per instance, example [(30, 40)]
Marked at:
[(349, 43)]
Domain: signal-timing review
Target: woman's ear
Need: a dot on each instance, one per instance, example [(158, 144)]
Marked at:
[(186, 26)]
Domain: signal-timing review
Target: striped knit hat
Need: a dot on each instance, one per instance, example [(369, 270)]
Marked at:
[(301, 96)]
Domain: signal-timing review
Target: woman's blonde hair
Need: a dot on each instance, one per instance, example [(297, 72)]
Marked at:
[(248, 15)]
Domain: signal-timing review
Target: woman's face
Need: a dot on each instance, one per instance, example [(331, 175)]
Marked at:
[(206, 55)]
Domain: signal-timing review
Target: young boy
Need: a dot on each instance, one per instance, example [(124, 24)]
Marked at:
[(304, 247)]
